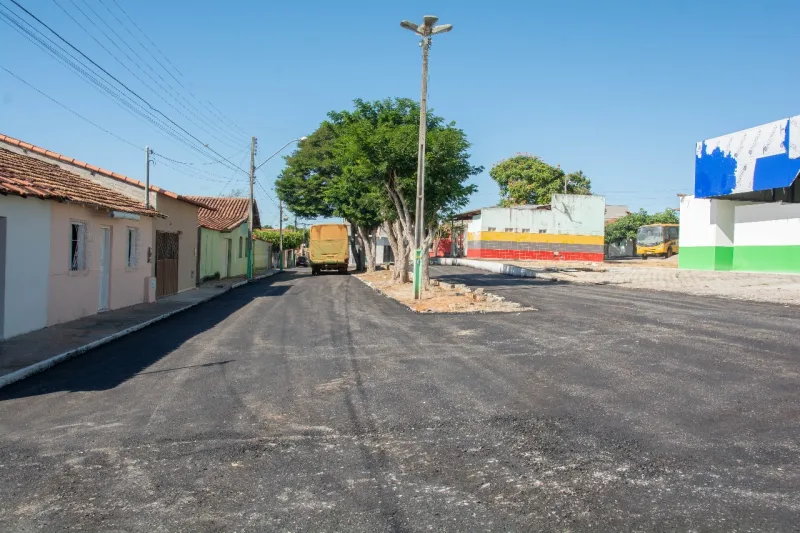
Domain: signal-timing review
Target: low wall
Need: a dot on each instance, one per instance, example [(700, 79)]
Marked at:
[(488, 266)]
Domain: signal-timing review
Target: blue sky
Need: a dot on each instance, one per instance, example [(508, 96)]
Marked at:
[(620, 90)]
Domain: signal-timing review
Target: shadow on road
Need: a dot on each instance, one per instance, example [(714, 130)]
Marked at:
[(110, 365)]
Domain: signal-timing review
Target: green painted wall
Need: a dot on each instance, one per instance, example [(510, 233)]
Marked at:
[(742, 258), (706, 257), (766, 258), (214, 252)]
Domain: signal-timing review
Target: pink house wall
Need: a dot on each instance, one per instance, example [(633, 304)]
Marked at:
[(76, 294)]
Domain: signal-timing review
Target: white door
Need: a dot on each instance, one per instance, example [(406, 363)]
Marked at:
[(105, 266)]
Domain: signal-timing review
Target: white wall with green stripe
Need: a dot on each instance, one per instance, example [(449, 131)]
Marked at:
[(745, 236)]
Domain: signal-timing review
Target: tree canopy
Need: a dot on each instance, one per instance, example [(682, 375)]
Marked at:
[(291, 239), (626, 227), (361, 164), (527, 179)]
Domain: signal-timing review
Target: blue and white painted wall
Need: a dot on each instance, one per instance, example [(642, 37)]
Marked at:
[(755, 159), (745, 213)]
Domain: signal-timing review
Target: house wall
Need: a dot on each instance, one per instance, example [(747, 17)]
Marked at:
[(262, 254), (74, 295), (572, 229), (767, 237), (27, 264), (707, 233), (732, 235), (182, 219), (213, 253)]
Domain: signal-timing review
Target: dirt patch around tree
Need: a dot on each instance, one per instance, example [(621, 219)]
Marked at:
[(441, 297)]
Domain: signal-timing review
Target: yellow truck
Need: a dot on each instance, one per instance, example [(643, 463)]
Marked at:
[(657, 239), (328, 248)]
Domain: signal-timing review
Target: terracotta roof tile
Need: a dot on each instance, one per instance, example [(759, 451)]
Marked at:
[(64, 159), (25, 176), (228, 213)]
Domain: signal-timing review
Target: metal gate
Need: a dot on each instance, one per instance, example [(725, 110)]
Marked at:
[(166, 263)]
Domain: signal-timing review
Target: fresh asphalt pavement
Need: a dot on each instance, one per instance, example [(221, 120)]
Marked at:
[(305, 403)]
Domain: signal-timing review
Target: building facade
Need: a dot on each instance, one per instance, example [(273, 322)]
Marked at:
[(222, 236), (571, 227), (745, 211), (172, 241), (69, 247)]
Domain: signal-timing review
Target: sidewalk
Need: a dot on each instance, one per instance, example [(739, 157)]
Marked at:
[(33, 352), (752, 286)]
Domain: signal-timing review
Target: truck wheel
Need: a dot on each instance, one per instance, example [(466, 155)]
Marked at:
[(669, 253), (343, 270)]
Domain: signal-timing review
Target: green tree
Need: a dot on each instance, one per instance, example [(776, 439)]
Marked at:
[(363, 168), (527, 179), (291, 239), (626, 227), (378, 145)]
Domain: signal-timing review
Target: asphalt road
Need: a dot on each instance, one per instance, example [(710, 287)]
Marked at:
[(315, 404)]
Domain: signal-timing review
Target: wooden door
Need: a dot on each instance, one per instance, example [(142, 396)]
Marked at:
[(166, 263)]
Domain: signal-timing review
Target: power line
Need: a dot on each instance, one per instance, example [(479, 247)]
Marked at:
[(87, 74), (133, 61), (231, 178), (84, 71), (268, 195), (71, 110), (172, 92), (192, 136), (210, 163), (220, 116)]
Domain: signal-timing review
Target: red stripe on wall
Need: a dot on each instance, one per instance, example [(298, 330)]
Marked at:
[(523, 255)]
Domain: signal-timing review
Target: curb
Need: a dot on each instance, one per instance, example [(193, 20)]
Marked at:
[(41, 366), (492, 266)]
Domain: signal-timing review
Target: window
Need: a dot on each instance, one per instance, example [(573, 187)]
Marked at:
[(77, 248), (510, 230), (542, 231), (673, 233), (241, 246), (525, 230), (133, 246), (491, 229)]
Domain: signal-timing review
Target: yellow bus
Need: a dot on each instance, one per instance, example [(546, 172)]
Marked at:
[(657, 239), (328, 248)]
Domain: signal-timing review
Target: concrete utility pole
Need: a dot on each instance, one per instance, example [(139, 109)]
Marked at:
[(250, 216), (147, 177), (566, 180), (280, 224), (426, 31)]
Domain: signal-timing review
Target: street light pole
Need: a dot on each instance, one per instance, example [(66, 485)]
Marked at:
[(250, 215), (426, 31)]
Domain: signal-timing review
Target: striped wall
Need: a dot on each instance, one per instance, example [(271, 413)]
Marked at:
[(570, 228), (534, 246)]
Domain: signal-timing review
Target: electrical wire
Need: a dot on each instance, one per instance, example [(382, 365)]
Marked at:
[(90, 76), (70, 110), (205, 125), (128, 89), (220, 115), (218, 179), (230, 180)]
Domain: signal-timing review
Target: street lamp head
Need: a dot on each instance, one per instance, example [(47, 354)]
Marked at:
[(303, 138), (443, 28), (430, 20), (407, 24)]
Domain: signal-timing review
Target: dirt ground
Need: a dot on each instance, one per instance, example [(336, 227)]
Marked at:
[(441, 297)]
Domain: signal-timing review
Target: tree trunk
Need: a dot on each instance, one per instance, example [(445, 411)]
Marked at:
[(400, 250), (426, 260), (354, 250), (369, 246)]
